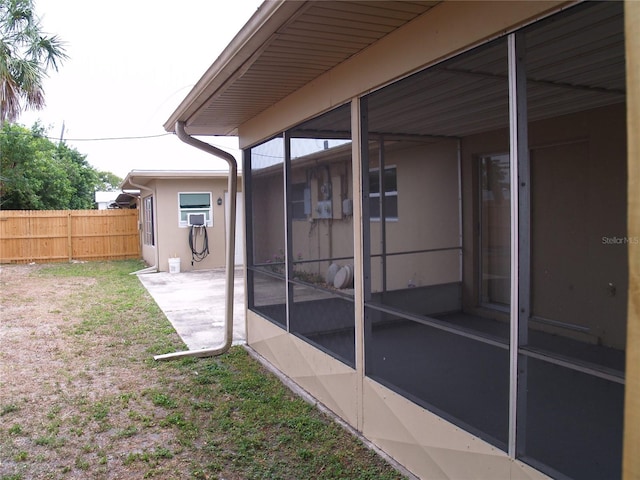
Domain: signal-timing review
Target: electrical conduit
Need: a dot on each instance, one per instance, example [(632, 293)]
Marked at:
[(230, 248)]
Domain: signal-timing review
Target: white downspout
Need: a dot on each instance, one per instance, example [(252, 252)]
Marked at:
[(230, 247)]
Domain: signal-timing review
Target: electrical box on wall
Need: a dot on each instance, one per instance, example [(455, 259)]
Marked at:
[(323, 198), (324, 209), (347, 207), (321, 203)]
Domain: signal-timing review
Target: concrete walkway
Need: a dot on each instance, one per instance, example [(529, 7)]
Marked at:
[(194, 303)]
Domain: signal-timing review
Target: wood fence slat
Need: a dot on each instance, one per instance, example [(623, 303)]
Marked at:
[(58, 235)]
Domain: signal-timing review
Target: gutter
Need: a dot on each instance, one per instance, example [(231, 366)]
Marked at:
[(231, 239)]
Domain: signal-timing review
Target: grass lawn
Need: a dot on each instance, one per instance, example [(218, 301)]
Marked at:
[(81, 396)]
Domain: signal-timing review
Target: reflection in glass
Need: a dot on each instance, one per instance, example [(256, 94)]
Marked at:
[(495, 230), (320, 192), (267, 241)]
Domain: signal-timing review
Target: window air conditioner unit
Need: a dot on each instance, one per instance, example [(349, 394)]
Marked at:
[(195, 219)]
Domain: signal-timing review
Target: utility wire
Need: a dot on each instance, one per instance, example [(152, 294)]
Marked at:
[(139, 137)]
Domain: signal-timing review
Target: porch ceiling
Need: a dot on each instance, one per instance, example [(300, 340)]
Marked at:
[(288, 44), (284, 46), (575, 62)]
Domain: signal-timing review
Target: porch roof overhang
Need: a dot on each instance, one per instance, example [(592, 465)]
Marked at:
[(284, 46), (289, 44), (143, 177)]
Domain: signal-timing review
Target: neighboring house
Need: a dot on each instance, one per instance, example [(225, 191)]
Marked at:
[(117, 199), (439, 224), (107, 200), (182, 215)]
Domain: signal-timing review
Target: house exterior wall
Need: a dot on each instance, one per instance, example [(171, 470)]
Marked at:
[(575, 151), (269, 213), (173, 240), (428, 218), (428, 445)]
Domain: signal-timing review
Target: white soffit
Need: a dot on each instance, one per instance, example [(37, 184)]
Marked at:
[(284, 46), (575, 65)]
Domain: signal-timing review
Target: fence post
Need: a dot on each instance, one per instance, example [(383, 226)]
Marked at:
[(69, 245)]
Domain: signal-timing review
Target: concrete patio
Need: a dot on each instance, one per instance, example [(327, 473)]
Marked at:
[(194, 303)]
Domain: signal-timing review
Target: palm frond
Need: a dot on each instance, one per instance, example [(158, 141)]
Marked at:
[(26, 53)]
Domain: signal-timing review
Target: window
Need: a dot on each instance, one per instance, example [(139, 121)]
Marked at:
[(390, 193), (195, 203), (147, 221), (300, 201), (495, 231)]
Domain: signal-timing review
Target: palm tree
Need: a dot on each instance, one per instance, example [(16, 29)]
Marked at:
[(26, 54)]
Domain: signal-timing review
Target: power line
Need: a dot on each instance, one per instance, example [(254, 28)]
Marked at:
[(97, 139), (138, 137), (101, 139)]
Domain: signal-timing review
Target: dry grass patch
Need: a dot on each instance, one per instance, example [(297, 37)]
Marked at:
[(81, 396)]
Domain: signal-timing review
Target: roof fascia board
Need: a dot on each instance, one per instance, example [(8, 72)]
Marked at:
[(143, 177), (237, 57)]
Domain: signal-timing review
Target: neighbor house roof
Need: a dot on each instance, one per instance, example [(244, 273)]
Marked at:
[(285, 45), (143, 177)]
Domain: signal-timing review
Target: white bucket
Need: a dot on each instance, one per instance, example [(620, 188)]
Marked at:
[(174, 265)]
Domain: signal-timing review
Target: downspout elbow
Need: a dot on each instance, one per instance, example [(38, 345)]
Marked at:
[(230, 247)]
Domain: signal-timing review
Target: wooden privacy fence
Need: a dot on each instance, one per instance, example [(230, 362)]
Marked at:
[(64, 235)]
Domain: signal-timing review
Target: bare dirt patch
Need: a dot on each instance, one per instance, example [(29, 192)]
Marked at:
[(34, 316), (72, 399), (82, 398)]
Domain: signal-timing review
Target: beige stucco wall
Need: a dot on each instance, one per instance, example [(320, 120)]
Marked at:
[(316, 238), (428, 217), (585, 152), (173, 240), (268, 216)]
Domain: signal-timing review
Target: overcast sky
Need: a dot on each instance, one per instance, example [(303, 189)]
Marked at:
[(131, 63)]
